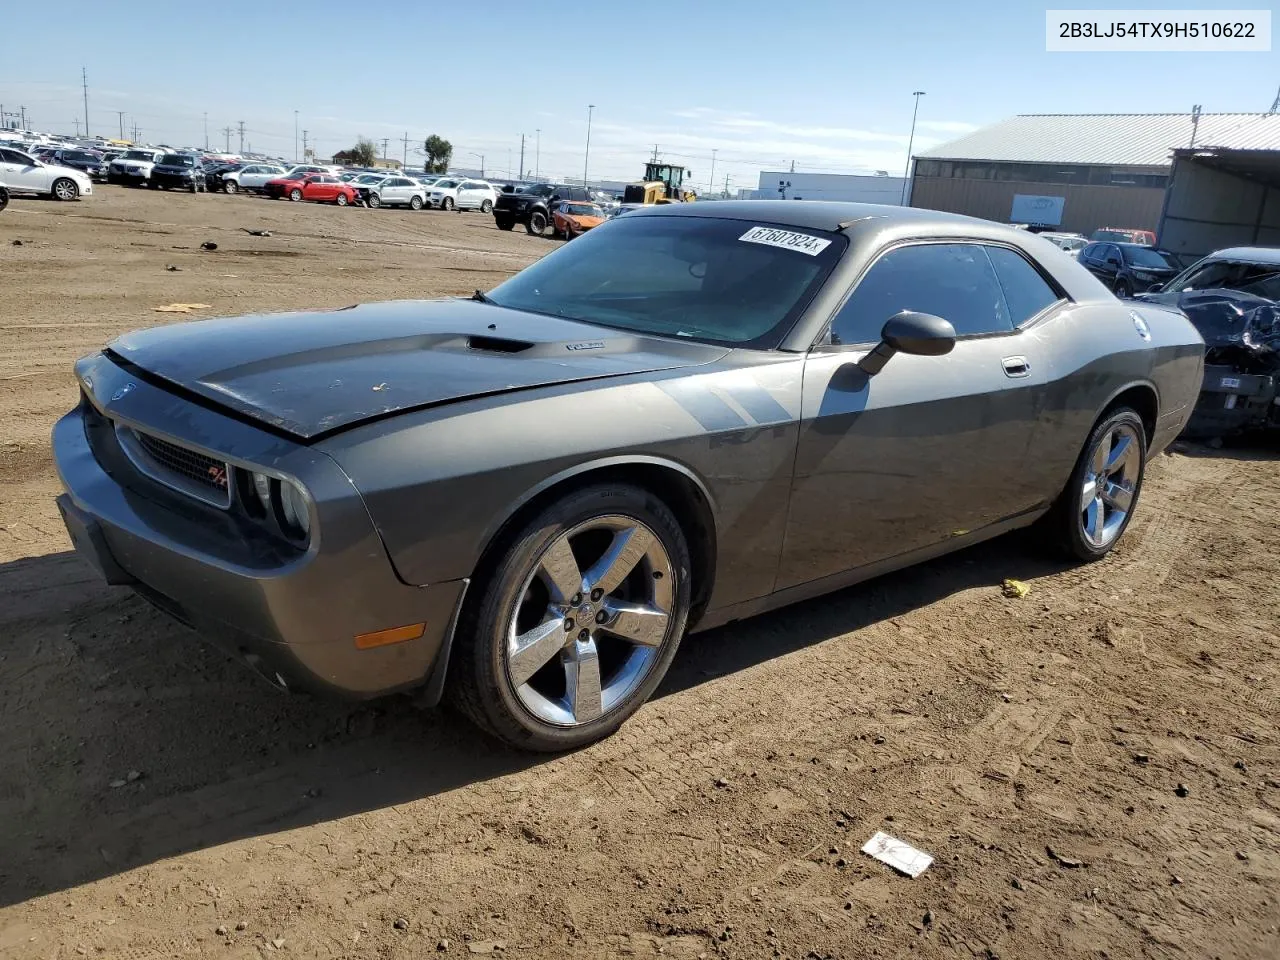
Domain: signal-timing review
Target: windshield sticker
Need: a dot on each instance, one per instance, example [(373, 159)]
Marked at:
[(800, 242)]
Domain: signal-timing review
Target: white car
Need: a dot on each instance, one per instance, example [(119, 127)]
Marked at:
[(452, 192), (251, 177), (304, 168), (1071, 243), (393, 191), (23, 173), (134, 166)]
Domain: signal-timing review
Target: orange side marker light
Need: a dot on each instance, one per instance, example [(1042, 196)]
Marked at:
[(382, 638)]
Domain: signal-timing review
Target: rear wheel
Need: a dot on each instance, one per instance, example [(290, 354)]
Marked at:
[(341, 200), (486, 207), (1098, 502), (230, 186), (576, 620), (415, 203), (504, 223), (537, 223), (295, 194), (1122, 289)]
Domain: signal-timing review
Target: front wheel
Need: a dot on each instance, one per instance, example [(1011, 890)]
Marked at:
[(1099, 499), (230, 186), (295, 194), (537, 223), (447, 204), (1122, 289), (375, 201), (415, 203), (486, 206), (576, 620), (504, 223)]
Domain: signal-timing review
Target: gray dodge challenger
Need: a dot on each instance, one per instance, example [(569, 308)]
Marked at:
[(521, 501)]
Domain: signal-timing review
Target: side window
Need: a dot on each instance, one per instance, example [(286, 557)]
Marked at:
[(954, 281), (1089, 252), (1025, 291)]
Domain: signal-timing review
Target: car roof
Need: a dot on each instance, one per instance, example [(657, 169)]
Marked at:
[(1267, 255), (826, 214)]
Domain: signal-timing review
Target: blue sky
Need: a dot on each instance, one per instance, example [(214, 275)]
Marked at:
[(826, 83)]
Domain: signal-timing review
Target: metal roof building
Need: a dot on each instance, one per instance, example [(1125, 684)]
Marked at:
[(1077, 172)]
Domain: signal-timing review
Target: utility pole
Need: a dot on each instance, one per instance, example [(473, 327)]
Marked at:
[(84, 78), (654, 158), (711, 183), (404, 163), (1275, 104), (385, 142), (120, 117), (521, 176), (77, 123), (906, 173), (241, 124), (726, 186), (304, 146), (295, 137), (793, 166), (227, 133), (23, 111), (206, 130), (586, 155), (537, 162)]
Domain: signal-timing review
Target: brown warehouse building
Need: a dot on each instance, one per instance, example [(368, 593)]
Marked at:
[(1080, 172)]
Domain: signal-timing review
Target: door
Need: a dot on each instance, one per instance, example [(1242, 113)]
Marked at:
[(23, 173), (401, 190), (929, 448)]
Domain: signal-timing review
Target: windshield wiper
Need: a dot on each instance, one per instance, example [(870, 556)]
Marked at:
[(479, 297)]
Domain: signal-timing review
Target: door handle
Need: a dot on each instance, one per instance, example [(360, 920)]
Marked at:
[(1015, 366)]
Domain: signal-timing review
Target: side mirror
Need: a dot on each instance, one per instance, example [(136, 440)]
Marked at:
[(1155, 288), (920, 334)]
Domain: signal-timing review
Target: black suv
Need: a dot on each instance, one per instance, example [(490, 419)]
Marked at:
[(85, 161), (1126, 268), (531, 205), (181, 171)]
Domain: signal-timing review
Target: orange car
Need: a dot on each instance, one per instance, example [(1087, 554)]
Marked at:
[(571, 219)]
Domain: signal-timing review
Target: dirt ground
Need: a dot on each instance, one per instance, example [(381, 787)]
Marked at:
[(157, 800)]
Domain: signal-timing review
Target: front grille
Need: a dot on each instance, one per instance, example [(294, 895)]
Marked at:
[(195, 474)]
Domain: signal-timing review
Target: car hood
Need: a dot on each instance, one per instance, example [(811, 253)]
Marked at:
[(312, 374), (1228, 318)]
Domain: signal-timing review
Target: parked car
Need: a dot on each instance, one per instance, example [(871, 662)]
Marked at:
[(300, 168), (180, 171), (571, 219), (1126, 267), (320, 187), (254, 177), (85, 161), (1233, 298), (385, 498), (133, 167), (1072, 243), (455, 193), (393, 191), (23, 173), (1124, 235), (531, 205), (619, 209)]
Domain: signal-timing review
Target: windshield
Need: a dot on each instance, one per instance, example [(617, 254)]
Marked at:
[(445, 184), (724, 281), (583, 210), (175, 160), (537, 189), (139, 155), (370, 178), (1259, 279), (1145, 257)]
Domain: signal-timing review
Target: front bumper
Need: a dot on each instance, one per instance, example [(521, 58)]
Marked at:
[(172, 180), (127, 176), (291, 615)]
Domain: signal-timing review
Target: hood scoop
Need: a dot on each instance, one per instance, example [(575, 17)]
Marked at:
[(488, 344)]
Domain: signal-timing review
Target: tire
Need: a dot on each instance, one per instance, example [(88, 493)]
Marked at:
[(375, 201), (159, 186), (341, 200), (486, 206), (1122, 289), (230, 186), (1068, 522), (447, 204), (415, 203), (295, 195), (504, 223), (4, 198), (515, 591), (536, 225)]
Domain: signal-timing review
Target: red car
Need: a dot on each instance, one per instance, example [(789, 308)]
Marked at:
[(320, 187)]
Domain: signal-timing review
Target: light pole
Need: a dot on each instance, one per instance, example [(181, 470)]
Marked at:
[(586, 156), (481, 156), (537, 155), (711, 184), (906, 173), (295, 137)]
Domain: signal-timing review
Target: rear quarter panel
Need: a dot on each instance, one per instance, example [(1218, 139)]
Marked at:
[(440, 483)]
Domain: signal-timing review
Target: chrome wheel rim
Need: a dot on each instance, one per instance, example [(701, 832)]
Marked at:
[(590, 621), (538, 222), (295, 195), (65, 190), (1110, 484)]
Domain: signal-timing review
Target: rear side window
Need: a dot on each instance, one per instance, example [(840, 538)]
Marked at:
[(1025, 292), (955, 281)]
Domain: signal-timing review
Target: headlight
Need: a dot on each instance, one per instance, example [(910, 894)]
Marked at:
[(297, 515), (262, 487), (282, 500)]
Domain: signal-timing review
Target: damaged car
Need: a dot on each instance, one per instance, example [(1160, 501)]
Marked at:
[(1233, 298)]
